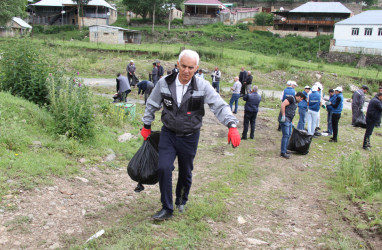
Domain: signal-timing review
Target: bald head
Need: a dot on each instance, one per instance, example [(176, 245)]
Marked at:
[(236, 79)]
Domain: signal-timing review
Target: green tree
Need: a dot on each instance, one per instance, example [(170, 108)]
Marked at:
[(80, 6), (11, 8), (142, 7), (169, 4), (264, 19)]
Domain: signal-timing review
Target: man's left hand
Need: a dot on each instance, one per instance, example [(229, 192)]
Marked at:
[(233, 137)]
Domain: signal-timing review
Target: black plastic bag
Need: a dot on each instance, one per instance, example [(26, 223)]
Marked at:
[(300, 141), (142, 167), (361, 121)]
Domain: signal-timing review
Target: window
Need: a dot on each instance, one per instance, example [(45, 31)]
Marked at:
[(354, 31), (368, 31), (380, 32)]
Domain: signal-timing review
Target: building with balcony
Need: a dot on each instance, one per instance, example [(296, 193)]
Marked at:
[(315, 17), (202, 11), (64, 12), (361, 33)]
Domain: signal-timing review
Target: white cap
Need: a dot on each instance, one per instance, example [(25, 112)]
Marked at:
[(315, 88), (318, 84), (339, 89), (131, 61), (290, 83), (307, 87)]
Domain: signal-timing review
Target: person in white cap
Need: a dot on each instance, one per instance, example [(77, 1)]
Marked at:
[(336, 112), (288, 92), (320, 90), (131, 72), (314, 103)]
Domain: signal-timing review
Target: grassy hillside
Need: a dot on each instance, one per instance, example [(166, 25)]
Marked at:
[(31, 153)]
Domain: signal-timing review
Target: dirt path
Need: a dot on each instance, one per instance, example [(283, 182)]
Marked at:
[(283, 204), (105, 82)]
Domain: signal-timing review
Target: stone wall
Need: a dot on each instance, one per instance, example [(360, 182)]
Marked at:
[(283, 33), (349, 58), (189, 20)]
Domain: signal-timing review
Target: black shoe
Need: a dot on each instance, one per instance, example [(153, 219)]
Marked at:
[(366, 148), (326, 132), (181, 208), (286, 156), (289, 152), (333, 140), (252, 138), (244, 138), (163, 214), (234, 112), (315, 136)]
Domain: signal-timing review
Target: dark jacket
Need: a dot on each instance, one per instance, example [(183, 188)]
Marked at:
[(374, 110), (358, 99), (290, 110), (242, 76), (252, 102), (160, 71), (248, 80), (187, 118)]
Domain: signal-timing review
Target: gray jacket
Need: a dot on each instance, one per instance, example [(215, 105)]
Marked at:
[(187, 118), (130, 68), (122, 84), (358, 98), (154, 74)]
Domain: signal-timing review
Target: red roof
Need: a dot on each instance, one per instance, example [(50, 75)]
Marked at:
[(205, 2)]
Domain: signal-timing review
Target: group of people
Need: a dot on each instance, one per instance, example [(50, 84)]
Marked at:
[(310, 101), (182, 95)]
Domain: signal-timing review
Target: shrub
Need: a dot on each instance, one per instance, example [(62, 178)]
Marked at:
[(72, 107), (282, 62), (264, 19), (24, 71)]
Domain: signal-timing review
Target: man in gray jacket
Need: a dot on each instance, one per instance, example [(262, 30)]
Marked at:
[(131, 72), (123, 87), (182, 96), (154, 74), (358, 100)]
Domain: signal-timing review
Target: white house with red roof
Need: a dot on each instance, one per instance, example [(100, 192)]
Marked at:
[(211, 11)]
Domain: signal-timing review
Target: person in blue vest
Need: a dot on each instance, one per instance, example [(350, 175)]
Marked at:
[(288, 91), (314, 103), (337, 106), (329, 109), (302, 109), (287, 113)]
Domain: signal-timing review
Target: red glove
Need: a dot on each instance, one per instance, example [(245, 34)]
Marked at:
[(145, 133), (234, 137)]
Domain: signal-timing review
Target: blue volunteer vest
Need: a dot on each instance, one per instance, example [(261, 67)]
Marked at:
[(314, 101), (332, 99), (338, 110), (289, 91), (303, 104)]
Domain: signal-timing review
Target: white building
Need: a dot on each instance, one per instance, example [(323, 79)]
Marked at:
[(15, 27), (361, 33)]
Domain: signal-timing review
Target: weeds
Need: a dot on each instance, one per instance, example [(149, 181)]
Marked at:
[(72, 108)]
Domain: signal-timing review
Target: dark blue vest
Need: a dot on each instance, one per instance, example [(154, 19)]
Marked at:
[(289, 91)]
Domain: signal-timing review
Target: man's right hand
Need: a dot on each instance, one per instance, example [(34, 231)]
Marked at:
[(282, 119), (145, 133)]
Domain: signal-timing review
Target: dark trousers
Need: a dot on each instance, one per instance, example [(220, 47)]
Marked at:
[(356, 112), (370, 124), (215, 85), (124, 95), (131, 79), (242, 90), (185, 148), (249, 118), (335, 121)]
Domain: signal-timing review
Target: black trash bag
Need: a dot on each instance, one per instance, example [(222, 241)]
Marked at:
[(142, 167), (134, 80), (300, 141), (360, 121)]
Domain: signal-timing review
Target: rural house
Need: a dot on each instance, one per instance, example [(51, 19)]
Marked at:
[(62, 12), (311, 17), (16, 27), (113, 35), (361, 33), (202, 11), (212, 11)]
